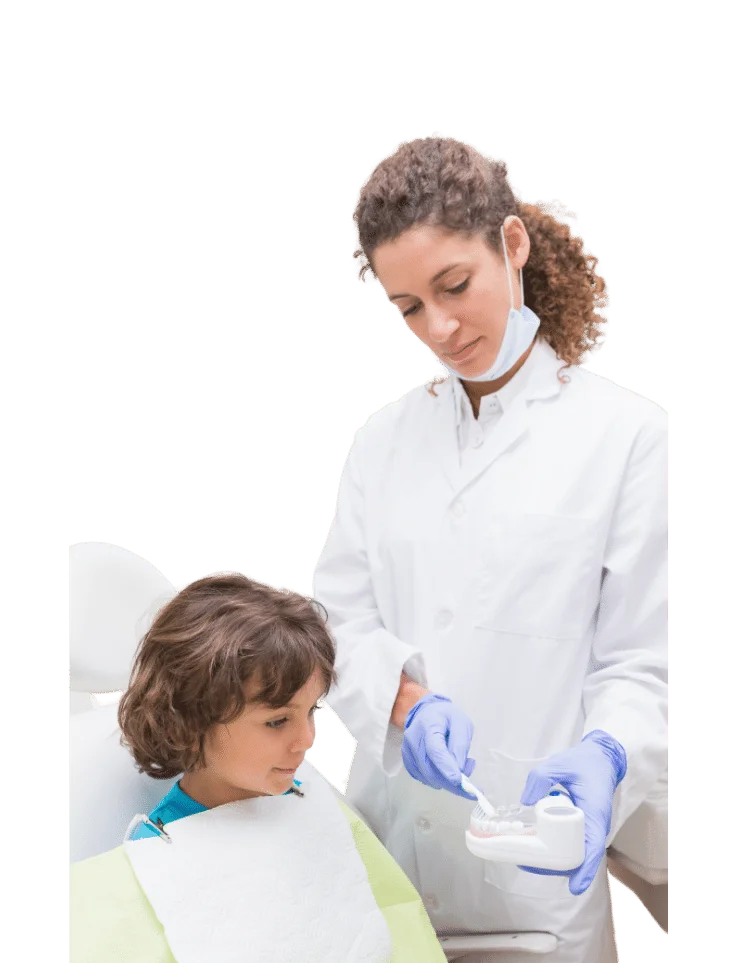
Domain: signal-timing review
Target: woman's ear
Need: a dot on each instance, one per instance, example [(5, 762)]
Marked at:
[(517, 241)]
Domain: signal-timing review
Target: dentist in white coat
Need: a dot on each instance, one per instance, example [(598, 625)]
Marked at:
[(495, 575)]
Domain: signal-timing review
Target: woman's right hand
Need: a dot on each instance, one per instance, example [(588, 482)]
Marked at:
[(436, 744)]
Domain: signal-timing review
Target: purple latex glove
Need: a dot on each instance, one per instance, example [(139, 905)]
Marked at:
[(590, 773), (436, 743)]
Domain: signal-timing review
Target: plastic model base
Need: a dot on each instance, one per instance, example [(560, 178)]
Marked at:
[(549, 835)]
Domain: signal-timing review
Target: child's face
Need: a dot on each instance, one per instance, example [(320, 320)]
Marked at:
[(256, 754)]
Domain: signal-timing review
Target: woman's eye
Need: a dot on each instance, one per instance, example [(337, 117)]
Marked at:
[(316, 706), (458, 289)]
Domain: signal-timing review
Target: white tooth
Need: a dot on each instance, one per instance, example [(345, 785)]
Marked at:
[(504, 826), (517, 826), (493, 826), (515, 810)]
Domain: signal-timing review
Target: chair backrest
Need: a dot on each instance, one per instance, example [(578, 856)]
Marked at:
[(106, 790), (114, 596)]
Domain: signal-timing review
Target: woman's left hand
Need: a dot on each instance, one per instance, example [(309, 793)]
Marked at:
[(590, 772)]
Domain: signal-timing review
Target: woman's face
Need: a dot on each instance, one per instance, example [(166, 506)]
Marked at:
[(256, 754), (453, 290)]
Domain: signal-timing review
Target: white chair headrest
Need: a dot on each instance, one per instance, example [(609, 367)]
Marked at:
[(113, 597), (106, 790)]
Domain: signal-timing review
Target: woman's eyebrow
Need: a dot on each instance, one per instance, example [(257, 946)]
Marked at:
[(438, 276)]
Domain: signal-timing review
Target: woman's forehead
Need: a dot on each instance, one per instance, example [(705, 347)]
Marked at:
[(421, 253)]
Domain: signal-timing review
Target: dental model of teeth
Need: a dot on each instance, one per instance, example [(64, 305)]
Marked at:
[(506, 821), (550, 836)]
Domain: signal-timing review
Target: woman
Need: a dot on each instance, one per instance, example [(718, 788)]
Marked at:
[(495, 573)]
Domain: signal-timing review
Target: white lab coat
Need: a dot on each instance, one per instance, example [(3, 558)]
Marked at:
[(531, 590)]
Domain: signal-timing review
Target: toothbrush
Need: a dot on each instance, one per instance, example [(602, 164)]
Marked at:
[(488, 809)]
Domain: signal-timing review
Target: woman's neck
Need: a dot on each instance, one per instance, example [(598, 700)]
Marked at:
[(476, 390)]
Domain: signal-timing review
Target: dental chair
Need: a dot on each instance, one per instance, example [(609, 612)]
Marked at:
[(114, 597)]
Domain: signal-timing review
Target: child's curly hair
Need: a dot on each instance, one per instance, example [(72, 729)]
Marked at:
[(204, 645), (448, 184)]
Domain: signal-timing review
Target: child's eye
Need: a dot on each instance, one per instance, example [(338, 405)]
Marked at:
[(278, 723), (411, 310)]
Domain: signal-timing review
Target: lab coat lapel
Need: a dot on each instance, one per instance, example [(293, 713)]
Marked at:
[(511, 427), (514, 422), (440, 441)]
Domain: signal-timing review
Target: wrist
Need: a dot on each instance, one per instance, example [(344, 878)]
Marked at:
[(612, 749), (426, 699), (408, 695)]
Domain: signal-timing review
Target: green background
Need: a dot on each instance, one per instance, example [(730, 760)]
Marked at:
[(185, 354)]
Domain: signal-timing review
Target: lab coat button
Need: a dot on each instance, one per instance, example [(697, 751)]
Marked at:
[(430, 901), (424, 824), (458, 509), (477, 440), (444, 619)]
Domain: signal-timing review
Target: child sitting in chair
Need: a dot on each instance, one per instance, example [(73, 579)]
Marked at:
[(224, 690), (254, 863)]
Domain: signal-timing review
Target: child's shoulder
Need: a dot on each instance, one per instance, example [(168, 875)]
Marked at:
[(174, 805)]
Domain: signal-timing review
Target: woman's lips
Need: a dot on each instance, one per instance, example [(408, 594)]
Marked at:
[(464, 353)]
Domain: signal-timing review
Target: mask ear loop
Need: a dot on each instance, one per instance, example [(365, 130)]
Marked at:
[(509, 273)]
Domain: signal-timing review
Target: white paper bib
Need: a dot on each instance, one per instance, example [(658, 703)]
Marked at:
[(275, 878)]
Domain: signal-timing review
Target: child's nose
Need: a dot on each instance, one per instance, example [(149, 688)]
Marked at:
[(306, 736)]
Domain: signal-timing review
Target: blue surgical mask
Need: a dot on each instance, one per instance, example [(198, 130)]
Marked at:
[(519, 333)]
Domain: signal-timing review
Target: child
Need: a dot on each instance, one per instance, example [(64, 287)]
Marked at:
[(224, 690)]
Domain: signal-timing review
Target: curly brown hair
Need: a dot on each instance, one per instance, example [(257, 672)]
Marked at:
[(192, 665), (450, 185)]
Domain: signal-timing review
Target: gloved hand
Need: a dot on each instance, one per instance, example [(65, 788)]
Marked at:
[(436, 743), (590, 772)]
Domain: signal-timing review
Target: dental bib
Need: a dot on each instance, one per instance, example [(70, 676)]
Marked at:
[(274, 878)]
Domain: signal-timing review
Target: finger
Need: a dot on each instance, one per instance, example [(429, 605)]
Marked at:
[(413, 757), (583, 877), (537, 787), (442, 781), (458, 740), (444, 761), (542, 779), (438, 781), (469, 767), (429, 774)]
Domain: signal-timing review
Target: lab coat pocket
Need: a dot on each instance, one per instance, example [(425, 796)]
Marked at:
[(540, 575), (502, 779)]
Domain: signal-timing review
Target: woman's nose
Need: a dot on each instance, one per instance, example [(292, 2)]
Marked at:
[(441, 325)]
